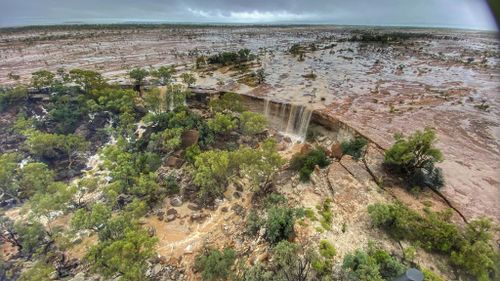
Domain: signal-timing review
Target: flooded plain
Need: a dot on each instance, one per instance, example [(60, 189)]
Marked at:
[(399, 80)]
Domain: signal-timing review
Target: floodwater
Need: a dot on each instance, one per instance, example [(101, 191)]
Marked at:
[(445, 79)]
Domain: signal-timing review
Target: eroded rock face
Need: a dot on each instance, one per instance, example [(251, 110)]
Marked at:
[(374, 159), (350, 194), (357, 169)]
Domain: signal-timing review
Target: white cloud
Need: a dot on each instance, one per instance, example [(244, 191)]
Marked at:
[(250, 16)]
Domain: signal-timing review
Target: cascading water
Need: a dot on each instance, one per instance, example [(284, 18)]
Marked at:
[(291, 119)]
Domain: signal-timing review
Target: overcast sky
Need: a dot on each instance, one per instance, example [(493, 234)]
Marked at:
[(472, 14)]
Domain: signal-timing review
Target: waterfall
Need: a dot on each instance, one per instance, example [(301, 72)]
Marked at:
[(266, 107), (290, 119)]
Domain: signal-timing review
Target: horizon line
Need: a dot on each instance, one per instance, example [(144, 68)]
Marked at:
[(216, 23)]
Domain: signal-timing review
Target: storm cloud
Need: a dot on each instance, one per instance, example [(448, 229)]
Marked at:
[(473, 14)]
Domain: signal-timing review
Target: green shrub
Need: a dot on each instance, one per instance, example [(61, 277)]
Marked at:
[(476, 255), (433, 231), (279, 224), (389, 267), (138, 75), (471, 249), (215, 264), (430, 275), (274, 199), (192, 152), (354, 147), (171, 185), (253, 223), (228, 58), (309, 213), (326, 214), (40, 271), (12, 96), (326, 249), (42, 78), (252, 123), (229, 101), (360, 266), (124, 251), (222, 123), (305, 163)]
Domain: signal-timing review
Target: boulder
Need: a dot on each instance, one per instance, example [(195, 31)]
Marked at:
[(336, 151), (236, 195), (193, 207), (174, 162), (80, 276), (170, 218), (189, 249), (189, 138), (171, 211), (176, 201), (197, 217)]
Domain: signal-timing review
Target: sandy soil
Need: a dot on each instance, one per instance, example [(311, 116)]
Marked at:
[(437, 79)]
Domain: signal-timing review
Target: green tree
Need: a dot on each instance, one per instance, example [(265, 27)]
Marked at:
[(188, 78), (176, 95), (73, 146), (260, 164), (115, 100), (415, 156), (54, 146), (212, 170), (40, 271), (476, 258), (156, 101), (169, 139), (252, 123), (292, 261), (222, 123), (126, 256), (42, 79), (476, 255), (434, 231), (215, 264), (31, 237), (138, 75), (88, 80), (12, 96), (147, 188), (33, 178), (8, 175), (56, 197), (94, 219), (430, 275), (163, 74)]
